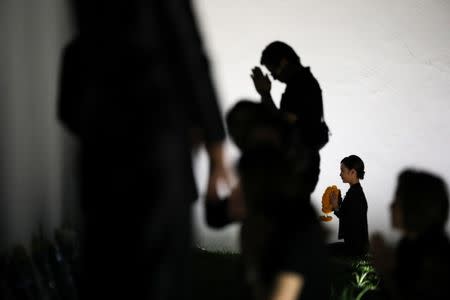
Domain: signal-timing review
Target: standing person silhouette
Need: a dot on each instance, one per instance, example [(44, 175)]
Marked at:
[(136, 75), (301, 103)]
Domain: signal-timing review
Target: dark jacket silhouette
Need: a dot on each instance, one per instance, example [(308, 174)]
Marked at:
[(303, 98), (352, 216), (423, 266), (132, 81)]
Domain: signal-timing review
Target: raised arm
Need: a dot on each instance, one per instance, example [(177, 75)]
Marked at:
[(263, 86)]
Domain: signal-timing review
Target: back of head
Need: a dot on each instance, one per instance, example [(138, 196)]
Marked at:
[(241, 114), (423, 199), (276, 51), (356, 163), (249, 122)]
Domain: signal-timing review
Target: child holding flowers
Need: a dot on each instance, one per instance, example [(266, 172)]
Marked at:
[(351, 211)]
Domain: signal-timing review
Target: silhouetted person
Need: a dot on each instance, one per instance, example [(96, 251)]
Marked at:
[(283, 252), (352, 211), (282, 243), (131, 81), (300, 103), (70, 99), (419, 267), (250, 125)]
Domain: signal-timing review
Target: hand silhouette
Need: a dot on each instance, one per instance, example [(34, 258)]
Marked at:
[(219, 174), (334, 200), (261, 81)]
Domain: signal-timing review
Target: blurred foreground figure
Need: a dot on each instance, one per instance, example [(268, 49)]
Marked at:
[(282, 244), (419, 266), (133, 82)]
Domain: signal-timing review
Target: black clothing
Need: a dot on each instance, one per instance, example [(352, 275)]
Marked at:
[(286, 244), (300, 250), (352, 216), (216, 213), (280, 232), (423, 266), (132, 82), (70, 105), (303, 97), (307, 163), (154, 47)]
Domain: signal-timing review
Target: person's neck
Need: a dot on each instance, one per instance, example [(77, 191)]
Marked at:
[(291, 70), (353, 182)]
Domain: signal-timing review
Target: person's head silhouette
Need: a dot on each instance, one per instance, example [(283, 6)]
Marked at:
[(279, 58), (251, 124), (352, 169), (421, 202)]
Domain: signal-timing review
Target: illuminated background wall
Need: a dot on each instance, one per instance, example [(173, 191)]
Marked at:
[(384, 68), (32, 143)]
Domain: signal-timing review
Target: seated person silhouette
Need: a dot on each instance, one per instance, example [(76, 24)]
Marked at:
[(419, 266), (351, 211)]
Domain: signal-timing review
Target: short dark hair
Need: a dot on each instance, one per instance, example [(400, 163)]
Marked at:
[(242, 112), (275, 51), (423, 199), (356, 163), (247, 115)]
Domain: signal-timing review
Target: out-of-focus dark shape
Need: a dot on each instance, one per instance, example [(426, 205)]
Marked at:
[(419, 266), (133, 82)]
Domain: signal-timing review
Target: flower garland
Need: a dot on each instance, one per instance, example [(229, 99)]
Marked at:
[(327, 208)]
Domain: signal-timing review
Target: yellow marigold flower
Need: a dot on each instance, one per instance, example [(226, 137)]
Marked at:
[(330, 192)]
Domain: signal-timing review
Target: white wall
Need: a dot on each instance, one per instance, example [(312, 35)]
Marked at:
[(31, 36), (384, 68)]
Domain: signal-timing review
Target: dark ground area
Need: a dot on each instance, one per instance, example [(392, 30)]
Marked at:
[(217, 276), (50, 271)]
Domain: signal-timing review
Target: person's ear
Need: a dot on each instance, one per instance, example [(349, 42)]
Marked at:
[(353, 173)]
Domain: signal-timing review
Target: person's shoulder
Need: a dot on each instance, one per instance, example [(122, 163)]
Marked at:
[(357, 188), (301, 82), (360, 192), (354, 188), (355, 192), (307, 75)]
